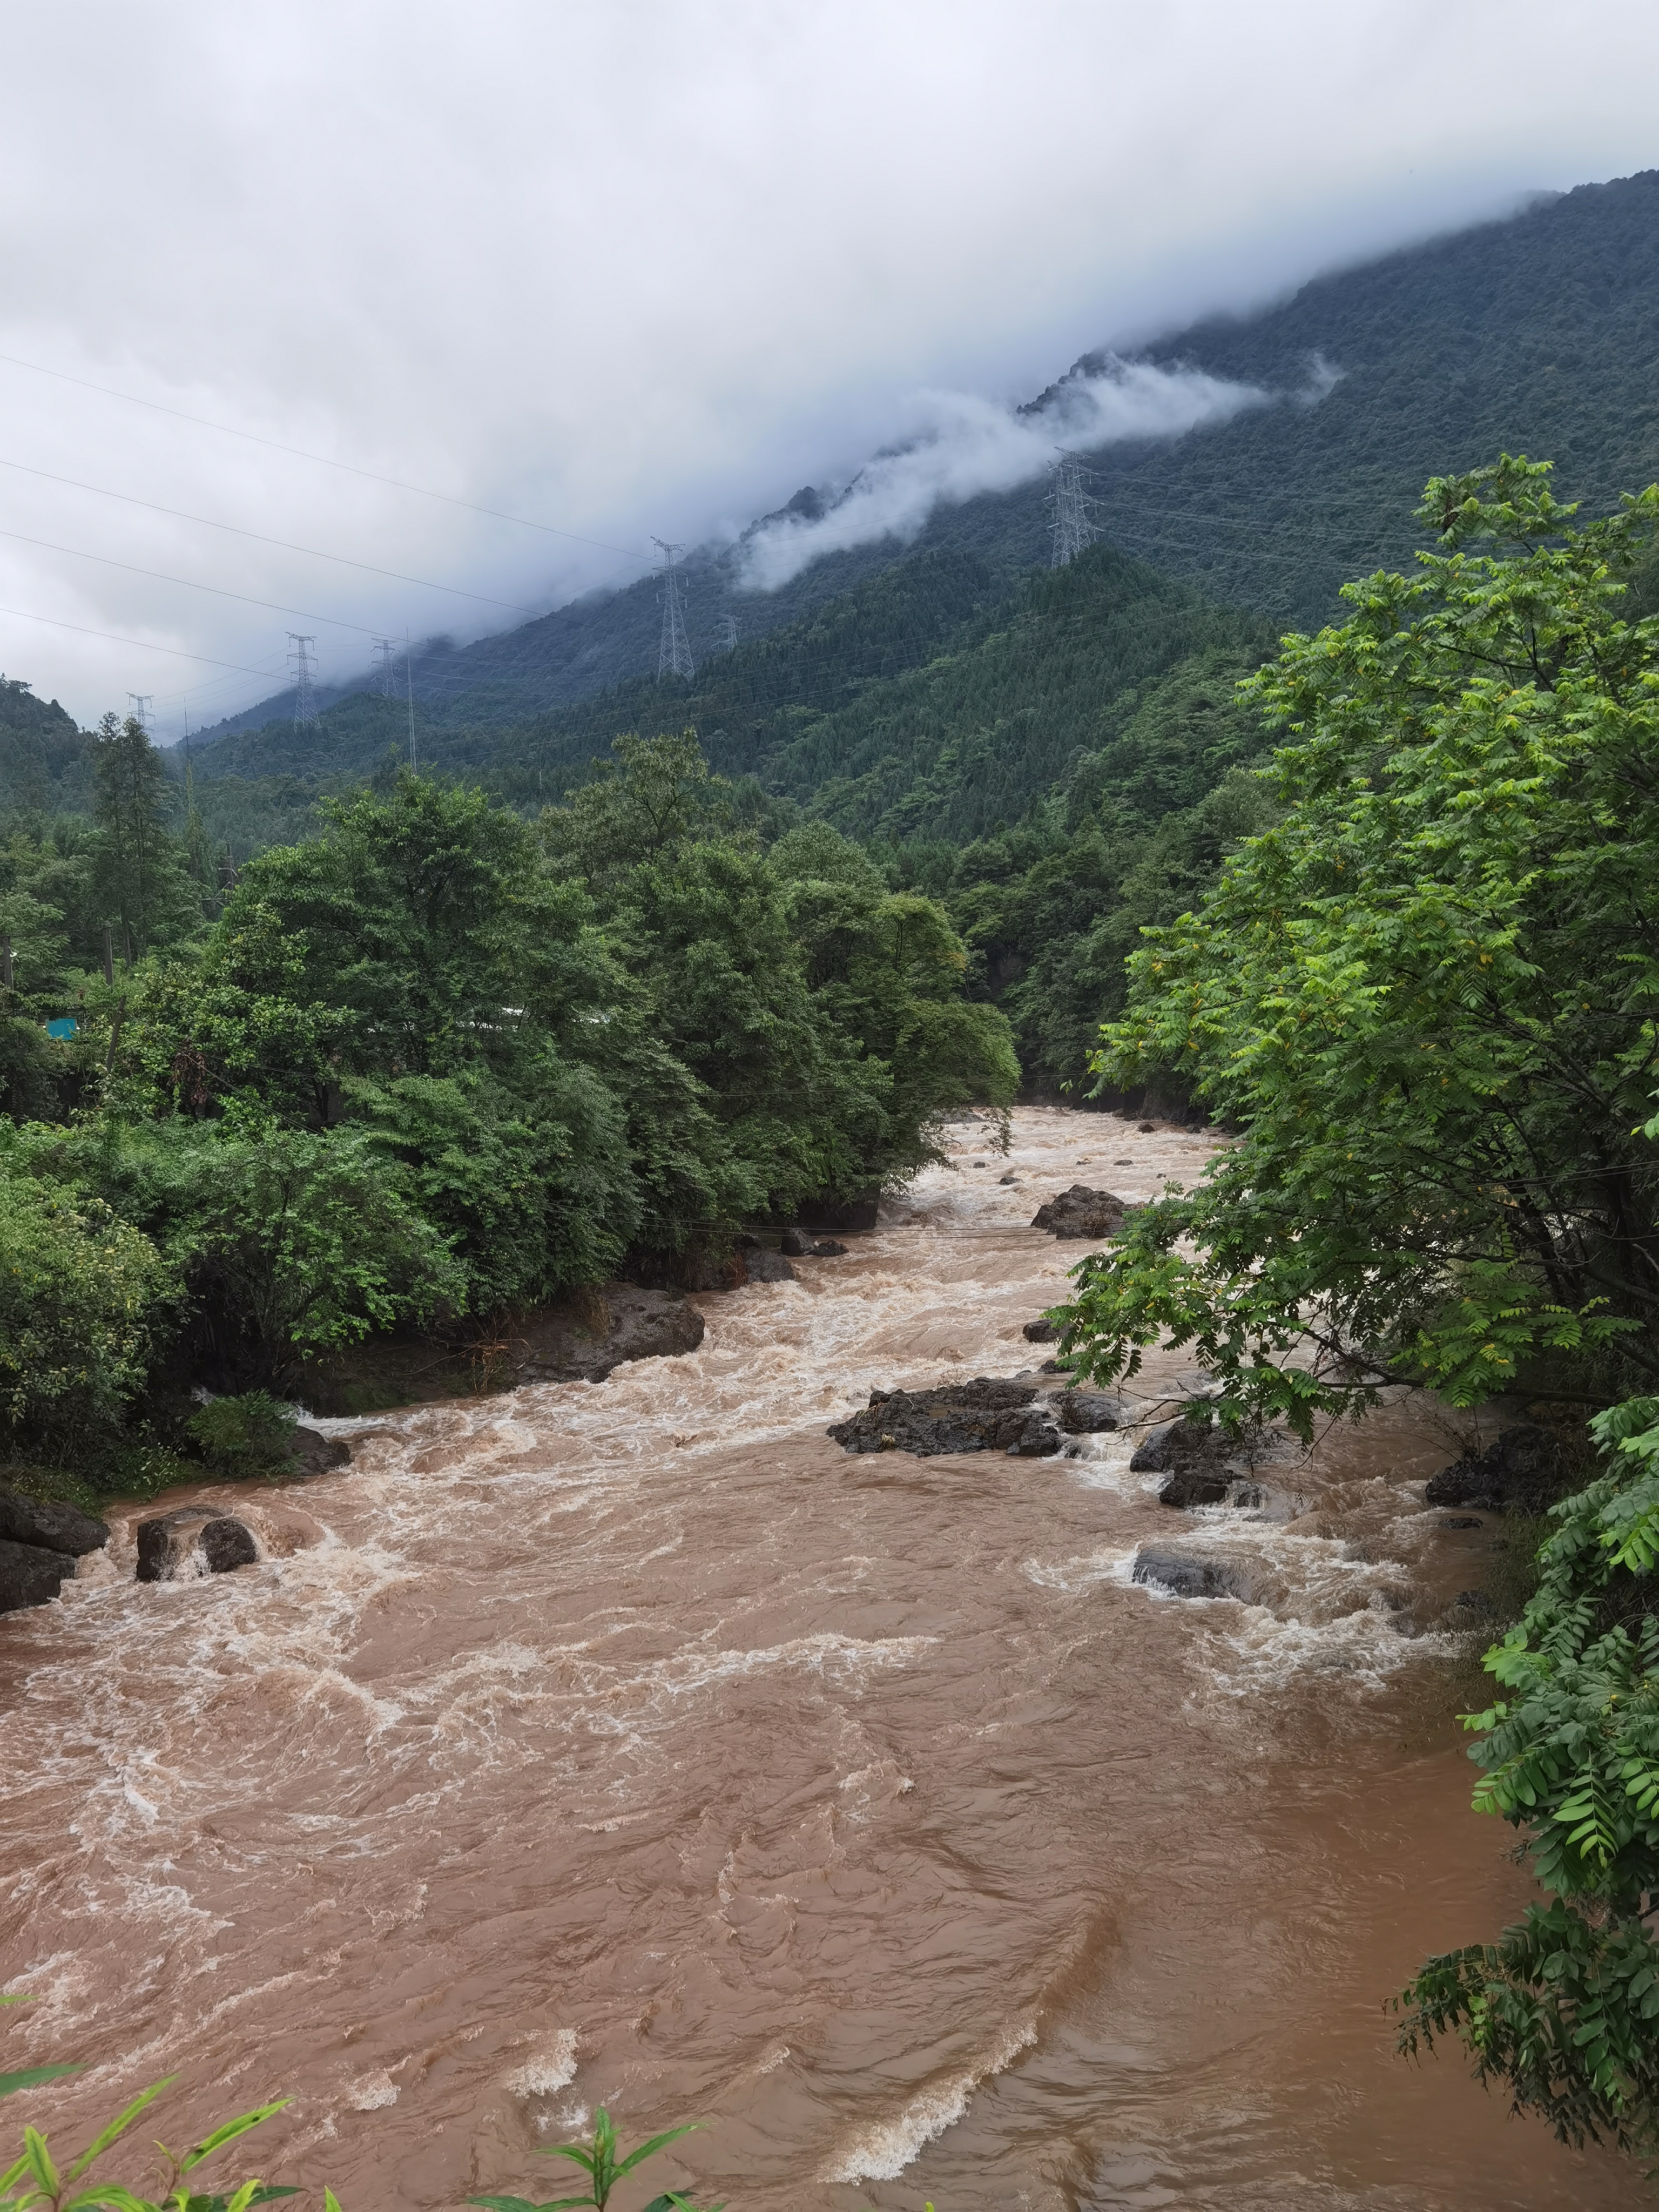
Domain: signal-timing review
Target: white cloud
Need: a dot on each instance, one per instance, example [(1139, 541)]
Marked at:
[(962, 444), (631, 266)]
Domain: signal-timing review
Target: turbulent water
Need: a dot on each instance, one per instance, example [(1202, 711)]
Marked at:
[(630, 1743)]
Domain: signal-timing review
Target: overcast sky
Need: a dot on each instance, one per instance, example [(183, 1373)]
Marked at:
[(636, 266)]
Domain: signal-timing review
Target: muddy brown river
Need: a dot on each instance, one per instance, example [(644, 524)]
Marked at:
[(631, 1744)]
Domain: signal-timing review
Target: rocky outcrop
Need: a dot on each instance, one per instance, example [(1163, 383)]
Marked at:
[(1521, 1472), (49, 1524), (31, 1574), (983, 1415), (193, 1540), (801, 1244), (621, 1323), (40, 1539), (1173, 1446), (1080, 1212), (312, 1453), (1040, 1332), (1187, 1576), (761, 1264), (1089, 1412)]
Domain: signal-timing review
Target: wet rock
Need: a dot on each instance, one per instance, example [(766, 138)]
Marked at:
[(31, 1574), (1461, 1521), (1080, 1212), (192, 1540), (49, 1524), (1040, 1332), (1194, 1486), (1174, 1445), (845, 1217), (1519, 1472), (1089, 1412), (621, 1323), (315, 1454), (762, 1265), (1187, 1575), (801, 1244), (1008, 1178), (1472, 1601), (983, 1415)]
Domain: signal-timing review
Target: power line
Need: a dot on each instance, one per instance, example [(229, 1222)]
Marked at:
[(323, 460), (186, 583), (674, 654), (207, 522), (305, 696), (21, 614)]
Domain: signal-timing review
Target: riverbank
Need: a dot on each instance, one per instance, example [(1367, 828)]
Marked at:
[(629, 1743)]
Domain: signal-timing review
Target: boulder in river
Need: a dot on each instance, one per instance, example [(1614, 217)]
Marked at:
[(49, 1523), (1080, 1212), (191, 1540), (983, 1415), (1175, 1445), (1519, 1472), (620, 1321), (761, 1264), (312, 1453), (1089, 1412), (31, 1574), (1187, 1575), (1040, 1332)]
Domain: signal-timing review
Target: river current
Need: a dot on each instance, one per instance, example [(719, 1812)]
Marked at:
[(631, 1744)]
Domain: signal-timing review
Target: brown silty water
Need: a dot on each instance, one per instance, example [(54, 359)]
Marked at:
[(630, 1743)]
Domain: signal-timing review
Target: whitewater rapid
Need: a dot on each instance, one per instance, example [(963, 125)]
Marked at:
[(630, 1743)]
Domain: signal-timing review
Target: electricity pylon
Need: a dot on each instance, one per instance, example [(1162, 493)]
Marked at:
[(674, 654), (305, 695), (138, 706), (1071, 512), (385, 654), (725, 633)]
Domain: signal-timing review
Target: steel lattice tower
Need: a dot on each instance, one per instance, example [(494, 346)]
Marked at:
[(305, 695), (674, 655), (725, 638), (138, 706), (385, 654), (1071, 512)]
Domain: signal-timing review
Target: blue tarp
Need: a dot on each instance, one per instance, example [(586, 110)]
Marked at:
[(63, 1027)]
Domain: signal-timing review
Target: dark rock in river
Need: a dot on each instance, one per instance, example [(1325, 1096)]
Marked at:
[(983, 1415), (1197, 1485), (1040, 1332), (31, 1574), (1080, 1212), (1520, 1472), (762, 1265), (827, 1248), (312, 1453), (1089, 1412), (50, 1524), (796, 1244), (1187, 1576), (622, 1321), (1176, 1445), (171, 1546)]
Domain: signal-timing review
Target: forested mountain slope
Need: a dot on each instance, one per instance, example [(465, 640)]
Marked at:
[(1537, 333)]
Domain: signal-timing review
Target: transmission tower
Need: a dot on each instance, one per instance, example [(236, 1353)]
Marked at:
[(725, 635), (300, 667), (674, 655), (138, 707), (385, 654), (1071, 510)]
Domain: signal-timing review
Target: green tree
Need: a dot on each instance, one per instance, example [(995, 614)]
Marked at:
[(139, 871), (1427, 996)]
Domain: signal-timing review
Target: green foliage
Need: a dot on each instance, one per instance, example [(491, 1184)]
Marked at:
[(604, 2167), (80, 1291), (35, 2182), (1426, 995), (140, 880), (247, 1435), (1564, 2008)]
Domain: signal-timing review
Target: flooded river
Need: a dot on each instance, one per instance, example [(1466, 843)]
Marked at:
[(630, 1743)]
